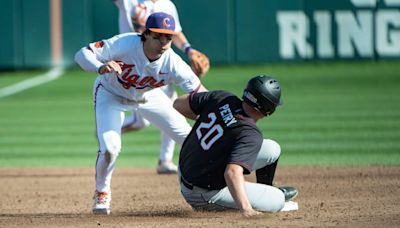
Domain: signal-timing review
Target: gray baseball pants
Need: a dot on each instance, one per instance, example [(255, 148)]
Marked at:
[(262, 197)]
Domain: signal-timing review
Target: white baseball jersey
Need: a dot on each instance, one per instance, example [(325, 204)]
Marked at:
[(115, 94), (128, 9), (139, 74)]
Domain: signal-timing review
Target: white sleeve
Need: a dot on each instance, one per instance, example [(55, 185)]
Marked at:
[(87, 60), (93, 56), (184, 76)]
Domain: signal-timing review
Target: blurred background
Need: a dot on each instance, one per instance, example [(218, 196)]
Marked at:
[(337, 61), (228, 31)]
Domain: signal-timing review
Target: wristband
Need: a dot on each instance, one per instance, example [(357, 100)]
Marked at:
[(98, 70), (186, 48)]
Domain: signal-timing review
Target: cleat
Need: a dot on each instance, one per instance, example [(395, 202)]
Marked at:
[(101, 211), (289, 192), (102, 202), (166, 167)]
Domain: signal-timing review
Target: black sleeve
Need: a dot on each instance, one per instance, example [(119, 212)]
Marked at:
[(198, 101), (245, 150)]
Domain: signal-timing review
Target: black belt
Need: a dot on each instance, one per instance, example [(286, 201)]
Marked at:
[(187, 185)]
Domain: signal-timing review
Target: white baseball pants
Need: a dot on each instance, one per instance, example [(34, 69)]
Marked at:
[(136, 120), (110, 112)]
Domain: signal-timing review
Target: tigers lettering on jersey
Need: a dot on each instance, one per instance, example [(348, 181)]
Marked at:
[(129, 80), (227, 115)]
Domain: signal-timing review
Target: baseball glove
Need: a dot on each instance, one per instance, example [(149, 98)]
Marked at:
[(199, 62)]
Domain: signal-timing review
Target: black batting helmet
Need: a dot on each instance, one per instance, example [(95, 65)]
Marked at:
[(263, 93)]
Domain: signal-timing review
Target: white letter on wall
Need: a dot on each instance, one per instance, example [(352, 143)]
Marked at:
[(324, 34), (293, 34), (357, 30), (388, 41)]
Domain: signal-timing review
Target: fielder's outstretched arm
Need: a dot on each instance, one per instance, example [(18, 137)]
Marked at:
[(87, 60)]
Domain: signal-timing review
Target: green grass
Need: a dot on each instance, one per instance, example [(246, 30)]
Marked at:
[(333, 114)]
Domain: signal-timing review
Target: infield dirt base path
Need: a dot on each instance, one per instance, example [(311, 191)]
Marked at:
[(329, 196)]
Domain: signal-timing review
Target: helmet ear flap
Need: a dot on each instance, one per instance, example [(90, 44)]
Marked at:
[(250, 98), (268, 110)]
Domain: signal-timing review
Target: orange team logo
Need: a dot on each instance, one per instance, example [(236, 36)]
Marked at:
[(99, 44), (166, 23)]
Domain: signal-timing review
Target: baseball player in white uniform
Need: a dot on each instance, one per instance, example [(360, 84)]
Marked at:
[(131, 69), (132, 17)]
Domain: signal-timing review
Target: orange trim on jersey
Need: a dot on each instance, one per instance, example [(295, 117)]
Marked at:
[(99, 44)]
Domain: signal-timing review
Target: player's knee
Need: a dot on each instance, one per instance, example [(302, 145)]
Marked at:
[(106, 157), (274, 149), (112, 141), (272, 201), (270, 151)]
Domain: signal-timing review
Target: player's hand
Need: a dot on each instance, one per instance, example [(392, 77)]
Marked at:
[(199, 62), (250, 213), (111, 66)]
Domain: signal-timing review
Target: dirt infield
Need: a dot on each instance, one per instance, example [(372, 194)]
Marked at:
[(329, 196)]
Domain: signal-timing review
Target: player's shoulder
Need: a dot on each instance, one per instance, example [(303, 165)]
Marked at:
[(221, 95), (172, 54), (216, 98), (213, 98), (129, 37), (173, 58), (123, 43), (245, 130)]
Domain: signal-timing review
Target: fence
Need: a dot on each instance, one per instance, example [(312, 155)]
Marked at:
[(229, 31)]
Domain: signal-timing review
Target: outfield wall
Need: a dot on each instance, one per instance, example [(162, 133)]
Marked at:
[(229, 31)]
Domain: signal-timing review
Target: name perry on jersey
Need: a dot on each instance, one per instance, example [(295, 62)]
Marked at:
[(227, 115), (129, 80)]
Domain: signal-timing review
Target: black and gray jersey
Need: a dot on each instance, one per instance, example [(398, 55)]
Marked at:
[(218, 138)]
